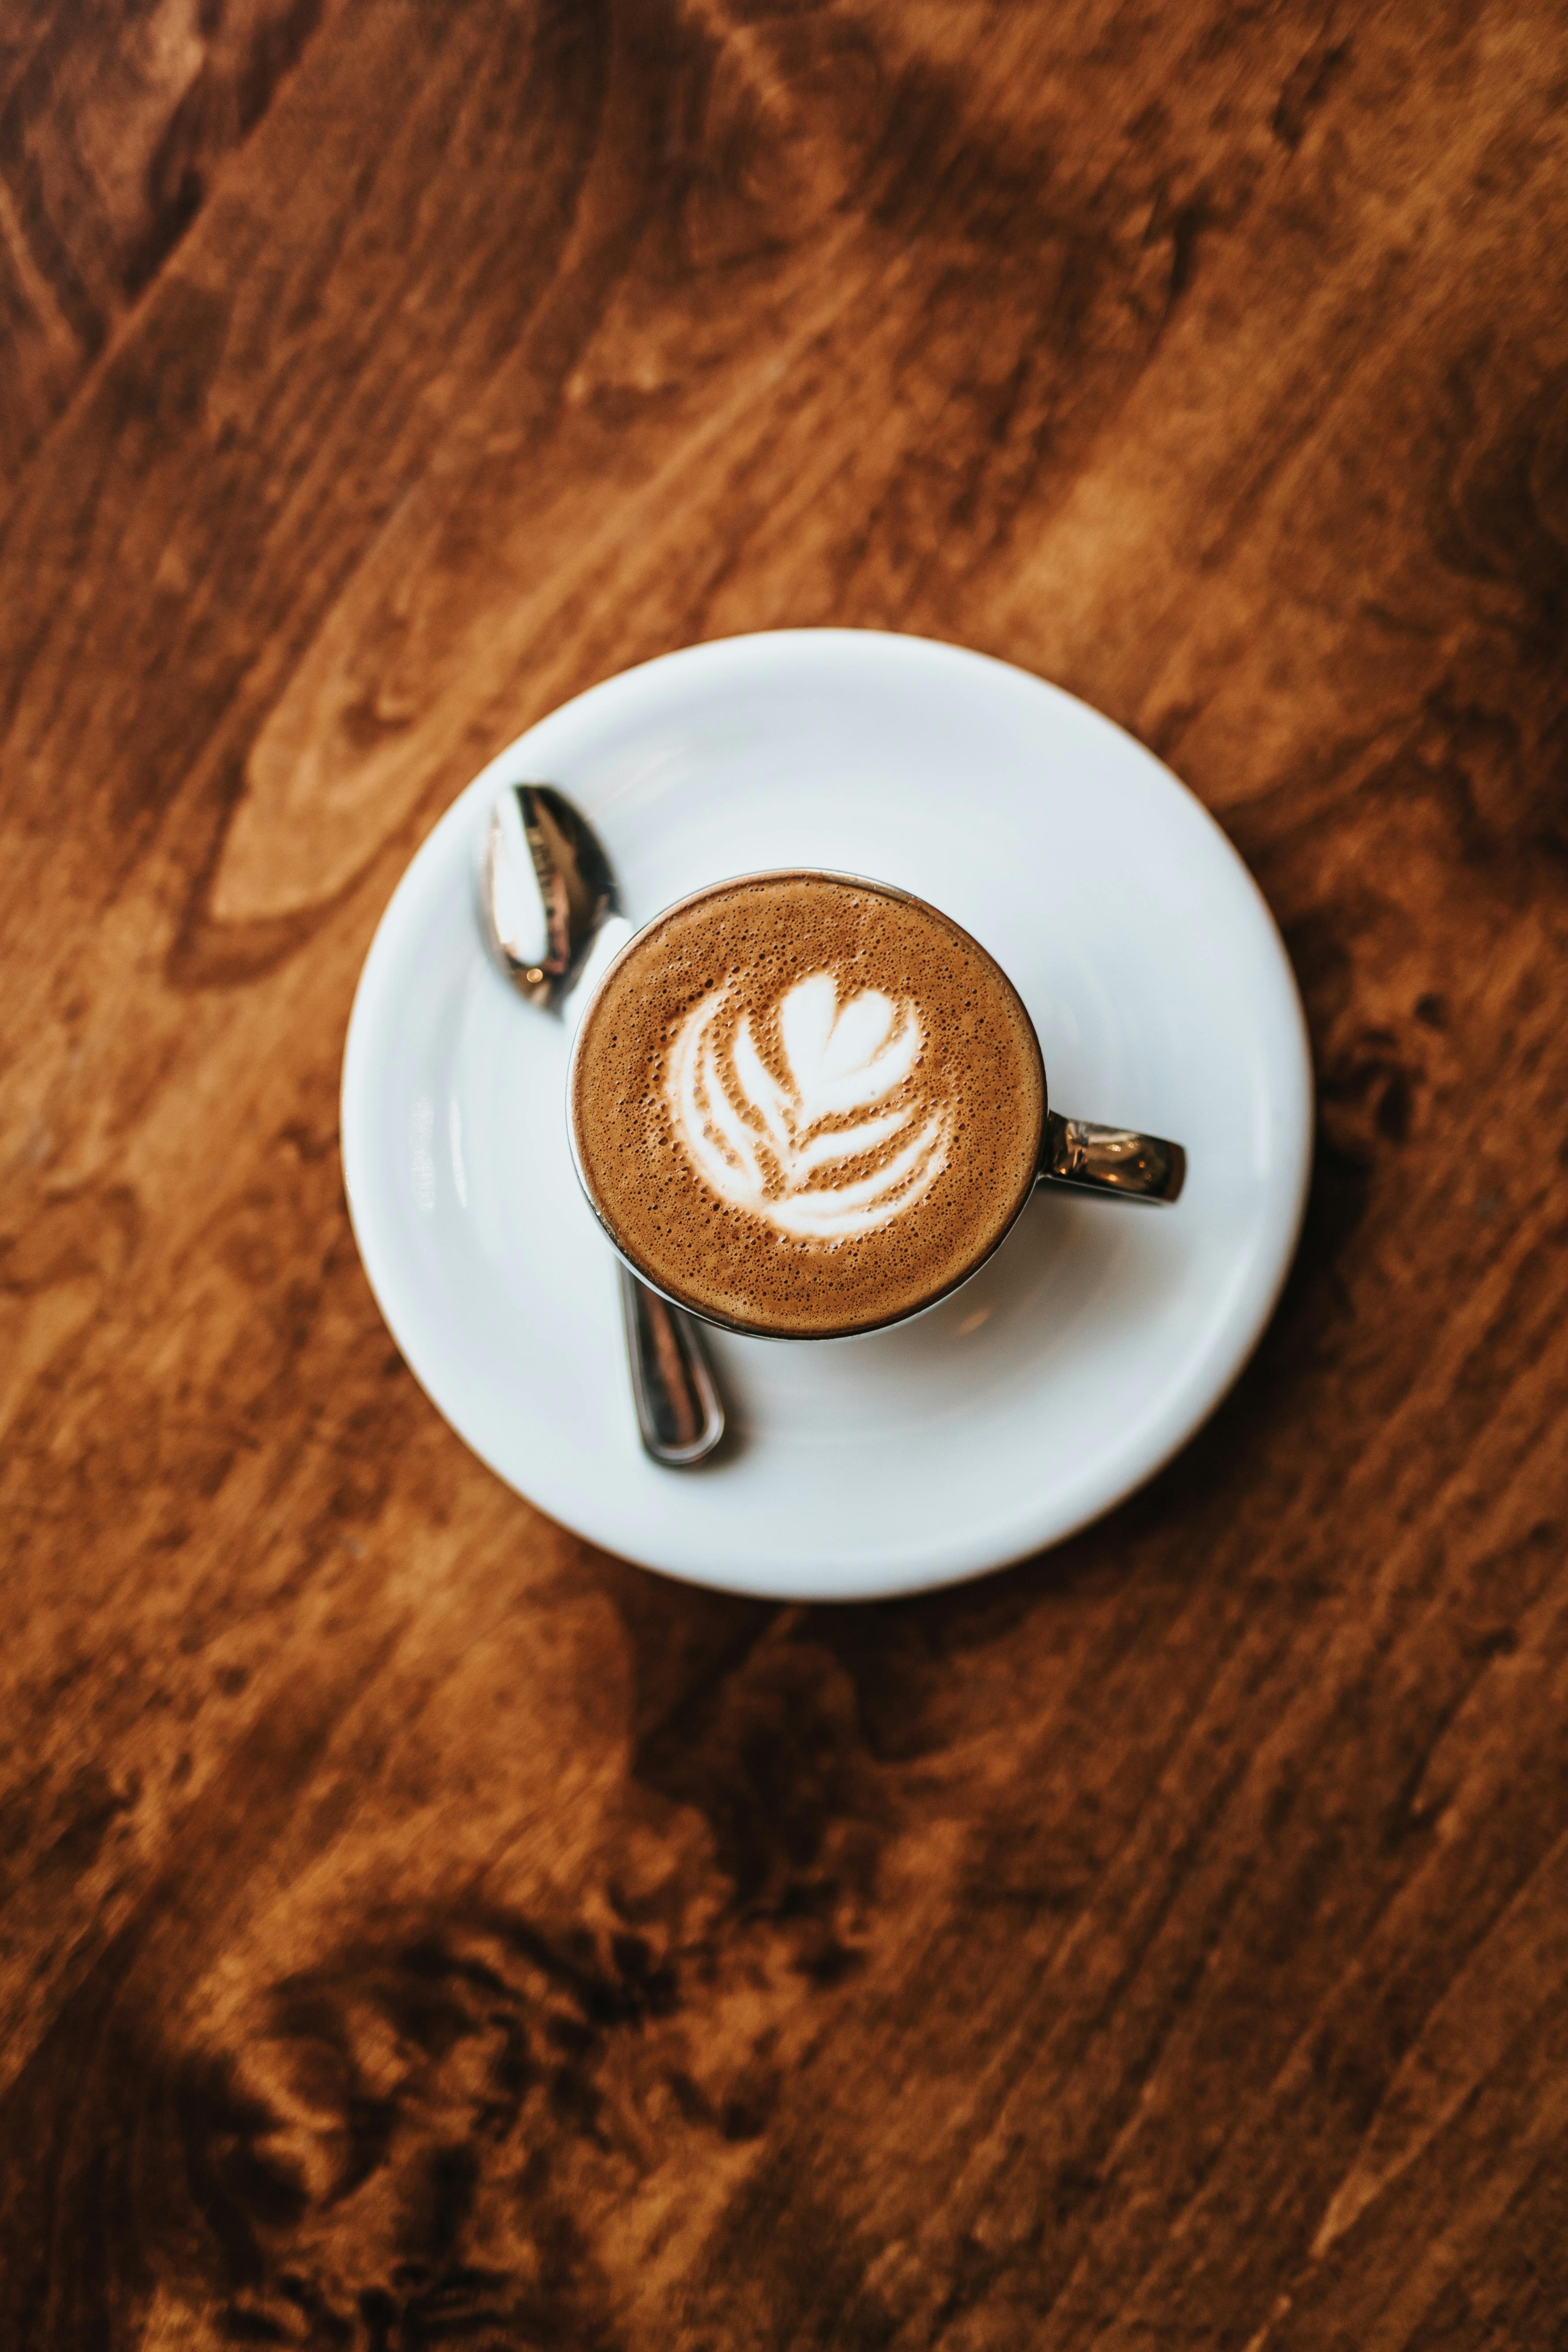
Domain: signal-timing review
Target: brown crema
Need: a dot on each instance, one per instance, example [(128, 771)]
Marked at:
[(807, 1104)]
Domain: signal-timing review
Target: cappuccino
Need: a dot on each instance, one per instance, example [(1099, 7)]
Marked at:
[(806, 1105)]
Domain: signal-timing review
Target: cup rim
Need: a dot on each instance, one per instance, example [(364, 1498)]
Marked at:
[(709, 1315)]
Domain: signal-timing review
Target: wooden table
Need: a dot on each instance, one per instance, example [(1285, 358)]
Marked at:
[(417, 1929)]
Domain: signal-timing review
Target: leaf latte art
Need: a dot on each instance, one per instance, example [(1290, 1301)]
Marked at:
[(805, 1105), (832, 1137)]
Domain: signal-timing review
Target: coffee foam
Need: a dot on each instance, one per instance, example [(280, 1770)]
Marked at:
[(807, 1104)]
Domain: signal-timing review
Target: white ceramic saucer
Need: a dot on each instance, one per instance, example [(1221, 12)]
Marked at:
[(1100, 1335)]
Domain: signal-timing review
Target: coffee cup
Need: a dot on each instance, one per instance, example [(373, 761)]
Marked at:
[(807, 1104)]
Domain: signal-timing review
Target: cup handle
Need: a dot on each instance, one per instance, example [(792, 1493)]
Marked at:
[(1114, 1161)]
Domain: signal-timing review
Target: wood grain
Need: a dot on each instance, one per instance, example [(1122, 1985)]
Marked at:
[(415, 1927)]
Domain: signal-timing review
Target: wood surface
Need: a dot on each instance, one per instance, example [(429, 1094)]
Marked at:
[(415, 1927)]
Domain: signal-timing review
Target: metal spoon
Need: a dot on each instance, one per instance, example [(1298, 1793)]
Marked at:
[(542, 857)]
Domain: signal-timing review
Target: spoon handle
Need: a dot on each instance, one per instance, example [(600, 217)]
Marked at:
[(679, 1417)]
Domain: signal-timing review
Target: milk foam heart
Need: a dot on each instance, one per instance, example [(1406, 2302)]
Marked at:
[(830, 1135)]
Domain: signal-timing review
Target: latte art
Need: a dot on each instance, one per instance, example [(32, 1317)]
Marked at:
[(806, 1105), (831, 1142)]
